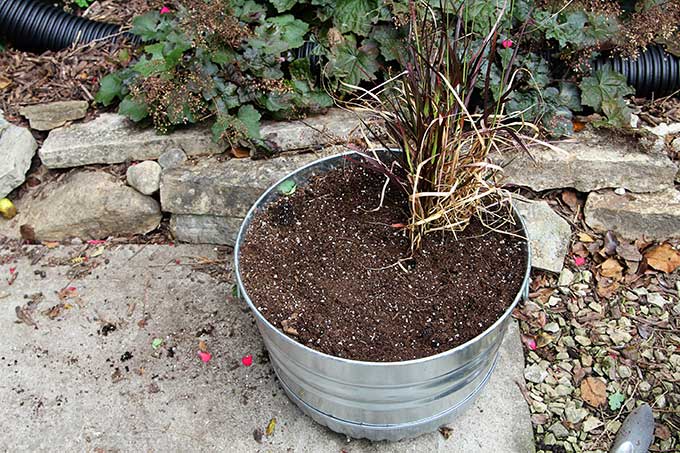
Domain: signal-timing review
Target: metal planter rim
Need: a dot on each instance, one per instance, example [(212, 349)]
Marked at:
[(260, 203)]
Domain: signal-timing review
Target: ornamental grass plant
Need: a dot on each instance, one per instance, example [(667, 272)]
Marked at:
[(440, 111)]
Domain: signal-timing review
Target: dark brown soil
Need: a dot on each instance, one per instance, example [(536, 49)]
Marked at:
[(321, 265)]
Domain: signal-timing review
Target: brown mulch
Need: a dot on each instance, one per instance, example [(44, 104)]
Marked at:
[(325, 267), (119, 11), (70, 74)]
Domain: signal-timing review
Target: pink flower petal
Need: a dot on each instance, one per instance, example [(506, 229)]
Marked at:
[(96, 242), (507, 43), (165, 10), (205, 356), (529, 342), (12, 270), (579, 260), (247, 360), (72, 288)]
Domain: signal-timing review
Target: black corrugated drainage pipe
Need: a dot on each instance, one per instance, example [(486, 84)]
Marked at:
[(38, 26), (654, 72)]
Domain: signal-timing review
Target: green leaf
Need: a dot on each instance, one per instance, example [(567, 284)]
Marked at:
[(283, 5), (390, 41), (301, 69), (155, 50), (271, 39), (615, 401), (290, 31), (226, 128), (110, 88), (355, 16), (133, 109), (156, 343), (223, 56), (605, 84), (287, 187), (570, 97), (146, 25), (351, 64), (566, 28), (249, 11), (250, 117), (600, 28), (146, 67), (558, 121)]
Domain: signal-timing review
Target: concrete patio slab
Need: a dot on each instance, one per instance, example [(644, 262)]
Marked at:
[(85, 376)]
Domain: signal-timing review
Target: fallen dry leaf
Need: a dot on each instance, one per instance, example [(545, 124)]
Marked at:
[(240, 153), (55, 311), (578, 126), (27, 232), (570, 199), (446, 432), (662, 432), (611, 269), (24, 316), (663, 258), (607, 290), (271, 426), (202, 346), (50, 244), (585, 237), (4, 82), (593, 391)]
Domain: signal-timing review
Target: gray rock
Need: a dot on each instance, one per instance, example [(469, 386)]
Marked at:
[(657, 299), (112, 138), (664, 129), (145, 177), (205, 229), (633, 216), (334, 127), (535, 374), (17, 147), (559, 430), (45, 117), (591, 163), (549, 235), (91, 205), (573, 414), (172, 158), (223, 188), (566, 278)]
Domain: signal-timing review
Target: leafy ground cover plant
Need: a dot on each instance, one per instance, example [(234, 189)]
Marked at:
[(234, 61)]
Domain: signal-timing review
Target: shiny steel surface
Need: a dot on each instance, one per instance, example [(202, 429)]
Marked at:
[(378, 401)]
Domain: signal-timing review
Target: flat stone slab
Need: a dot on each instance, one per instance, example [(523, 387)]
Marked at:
[(633, 216), (334, 127), (588, 163), (17, 148), (45, 117), (205, 229), (112, 139), (549, 235), (221, 187), (88, 378)]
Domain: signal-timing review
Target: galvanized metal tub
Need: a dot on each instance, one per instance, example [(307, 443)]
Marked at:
[(377, 401)]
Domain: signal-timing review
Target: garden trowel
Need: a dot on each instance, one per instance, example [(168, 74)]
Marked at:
[(637, 432)]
